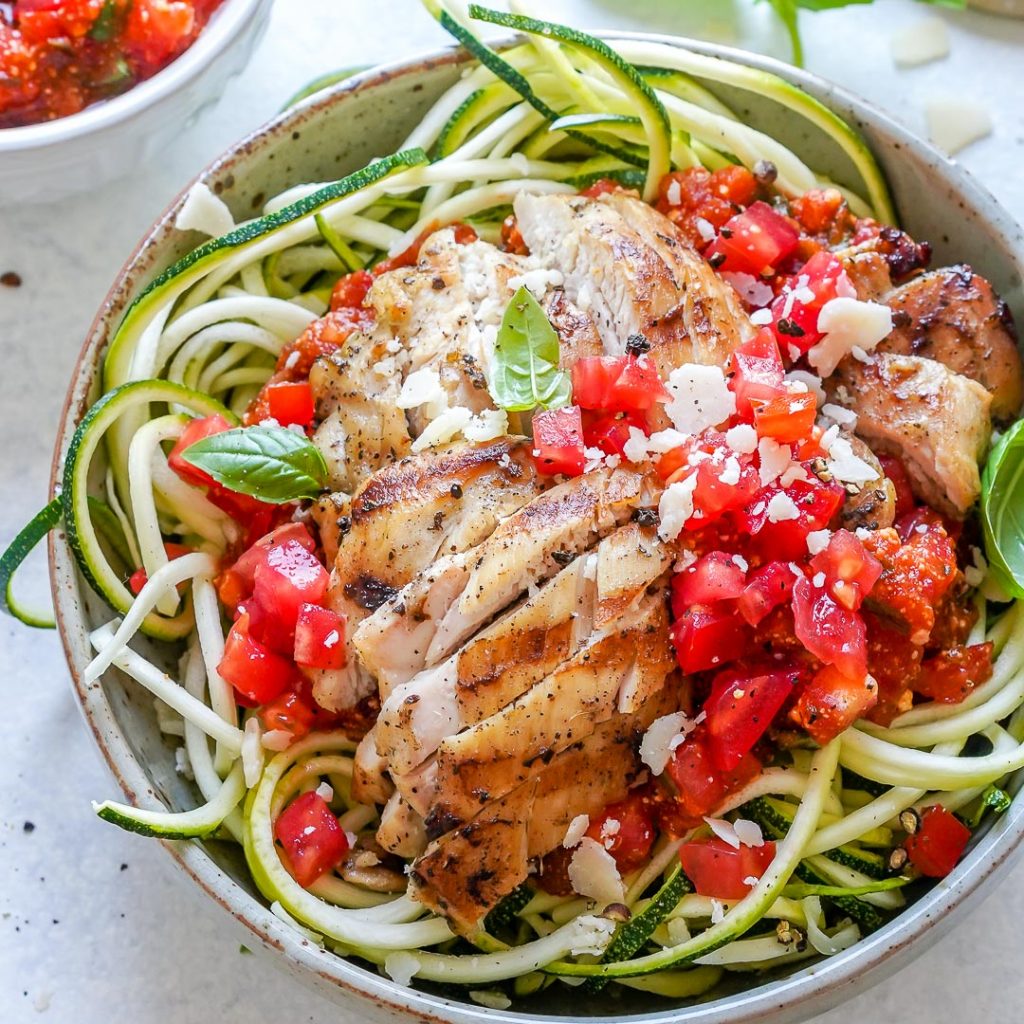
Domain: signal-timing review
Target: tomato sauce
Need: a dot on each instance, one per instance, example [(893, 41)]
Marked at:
[(59, 56)]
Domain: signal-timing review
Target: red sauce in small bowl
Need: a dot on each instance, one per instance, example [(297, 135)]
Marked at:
[(59, 56)]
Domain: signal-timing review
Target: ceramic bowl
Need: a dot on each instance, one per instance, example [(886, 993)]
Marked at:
[(337, 131), (50, 161)]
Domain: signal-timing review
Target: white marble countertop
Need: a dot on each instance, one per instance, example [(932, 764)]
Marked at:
[(95, 926)]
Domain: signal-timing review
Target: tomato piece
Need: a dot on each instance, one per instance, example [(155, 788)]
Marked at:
[(753, 242), (558, 441), (708, 636), (950, 676), (311, 839), (725, 480), (939, 842), (850, 569), (195, 430), (741, 706), (795, 309), (292, 402), (288, 577), (255, 671), (288, 713), (832, 633), (512, 238), (245, 565), (720, 871), (601, 187), (351, 290), (139, 579), (786, 539), (617, 383), (319, 637), (829, 703), (766, 588), (702, 787), (757, 372), (818, 209), (788, 418), (157, 30), (713, 577), (900, 480), (626, 831)]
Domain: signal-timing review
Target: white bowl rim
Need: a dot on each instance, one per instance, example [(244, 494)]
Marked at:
[(808, 990), (219, 34)]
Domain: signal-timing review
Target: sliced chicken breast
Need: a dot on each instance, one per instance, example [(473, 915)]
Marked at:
[(873, 507), (469, 870), (935, 420), (628, 266), (503, 661), (458, 594), (952, 315), (406, 516)]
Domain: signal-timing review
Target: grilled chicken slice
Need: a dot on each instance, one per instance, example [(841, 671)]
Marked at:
[(935, 420), (401, 829), (469, 870), (361, 428), (504, 660), (576, 330), (616, 674), (449, 601), (370, 781), (406, 516), (868, 273), (628, 266), (954, 316)]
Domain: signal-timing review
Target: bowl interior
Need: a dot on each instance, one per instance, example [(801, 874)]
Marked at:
[(337, 132)]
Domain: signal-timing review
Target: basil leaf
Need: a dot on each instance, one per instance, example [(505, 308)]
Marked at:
[(1002, 510), (272, 464), (524, 371), (105, 27)]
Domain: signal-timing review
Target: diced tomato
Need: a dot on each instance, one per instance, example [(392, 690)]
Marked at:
[(709, 636), (288, 577), (232, 590), (830, 703), (617, 383), (713, 577), (195, 430), (742, 704), (702, 787), (950, 676), (832, 633), (850, 569), (292, 402), (725, 480), (601, 187), (319, 637), (766, 588), (288, 713), (610, 431), (795, 309), (626, 831), (897, 474), (253, 669), (757, 372), (699, 202), (939, 842), (818, 209), (786, 539), (312, 841), (139, 579), (512, 238), (351, 290), (894, 663), (156, 30), (245, 566), (720, 871), (754, 242), (786, 419), (558, 441)]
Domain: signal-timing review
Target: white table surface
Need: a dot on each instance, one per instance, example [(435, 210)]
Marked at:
[(95, 925)]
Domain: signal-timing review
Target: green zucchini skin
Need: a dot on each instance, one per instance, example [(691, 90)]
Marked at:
[(17, 551)]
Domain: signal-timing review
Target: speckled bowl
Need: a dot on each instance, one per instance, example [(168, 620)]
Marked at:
[(49, 161), (334, 132)]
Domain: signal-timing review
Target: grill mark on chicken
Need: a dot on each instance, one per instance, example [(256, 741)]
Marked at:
[(369, 592)]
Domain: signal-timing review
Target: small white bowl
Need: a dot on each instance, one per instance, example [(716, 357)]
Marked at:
[(55, 159)]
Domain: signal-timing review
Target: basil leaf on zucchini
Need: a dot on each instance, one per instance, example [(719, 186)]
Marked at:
[(525, 371), (1002, 510), (272, 464)]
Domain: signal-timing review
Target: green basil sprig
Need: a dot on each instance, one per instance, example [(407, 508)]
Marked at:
[(272, 464), (1002, 510), (524, 371)]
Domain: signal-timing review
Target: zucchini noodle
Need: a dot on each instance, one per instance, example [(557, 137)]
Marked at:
[(548, 115)]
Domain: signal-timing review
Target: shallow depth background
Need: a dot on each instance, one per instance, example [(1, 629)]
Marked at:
[(95, 926)]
